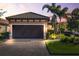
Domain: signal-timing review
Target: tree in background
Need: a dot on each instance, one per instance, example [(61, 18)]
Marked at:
[(73, 21), (2, 12)]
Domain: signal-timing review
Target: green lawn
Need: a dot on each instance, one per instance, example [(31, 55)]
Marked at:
[(58, 48)]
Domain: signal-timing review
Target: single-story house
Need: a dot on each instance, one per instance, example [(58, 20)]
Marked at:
[(3, 25), (28, 26)]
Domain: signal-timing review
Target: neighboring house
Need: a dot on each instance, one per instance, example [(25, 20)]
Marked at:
[(3, 25), (28, 26)]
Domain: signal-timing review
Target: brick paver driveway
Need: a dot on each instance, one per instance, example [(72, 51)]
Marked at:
[(24, 48)]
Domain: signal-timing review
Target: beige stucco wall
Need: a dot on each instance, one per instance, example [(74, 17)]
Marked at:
[(29, 23)]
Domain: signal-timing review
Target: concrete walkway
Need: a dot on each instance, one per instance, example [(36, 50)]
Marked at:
[(24, 48)]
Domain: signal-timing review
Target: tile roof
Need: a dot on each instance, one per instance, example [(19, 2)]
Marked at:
[(28, 15)]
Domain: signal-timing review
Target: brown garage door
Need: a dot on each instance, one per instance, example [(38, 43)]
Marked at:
[(27, 31)]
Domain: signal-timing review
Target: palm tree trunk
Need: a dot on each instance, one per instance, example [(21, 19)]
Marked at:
[(60, 29), (54, 27)]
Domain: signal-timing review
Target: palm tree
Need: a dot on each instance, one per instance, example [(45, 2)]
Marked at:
[(57, 11)]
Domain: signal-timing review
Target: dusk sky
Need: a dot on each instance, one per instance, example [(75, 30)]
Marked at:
[(17, 8)]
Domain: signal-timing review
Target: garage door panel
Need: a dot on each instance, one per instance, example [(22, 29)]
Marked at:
[(28, 31)]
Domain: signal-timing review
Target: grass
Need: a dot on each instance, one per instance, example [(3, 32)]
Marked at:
[(58, 48)]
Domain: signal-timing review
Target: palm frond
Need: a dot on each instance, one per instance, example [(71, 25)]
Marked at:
[(58, 7), (1, 13), (65, 9), (46, 6), (53, 4)]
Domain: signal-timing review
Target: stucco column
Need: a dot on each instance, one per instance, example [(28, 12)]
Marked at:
[(45, 30), (10, 31)]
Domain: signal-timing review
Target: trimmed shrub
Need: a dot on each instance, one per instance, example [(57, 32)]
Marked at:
[(53, 36), (76, 40), (72, 37), (67, 39), (1, 38), (5, 35), (49, 33), (63, 38)]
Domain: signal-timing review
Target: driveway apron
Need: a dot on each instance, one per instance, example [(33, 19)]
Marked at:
[(24, 48)]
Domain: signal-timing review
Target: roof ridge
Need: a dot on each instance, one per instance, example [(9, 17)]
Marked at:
[(39, 14)]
